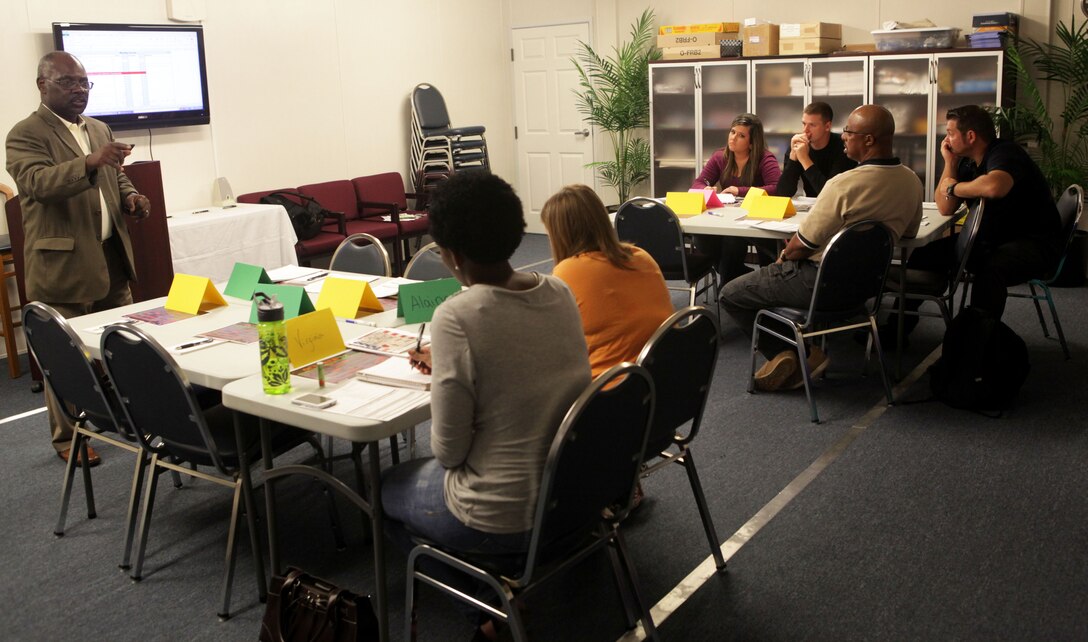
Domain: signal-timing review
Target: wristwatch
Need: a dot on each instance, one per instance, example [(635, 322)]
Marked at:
[(951, 191)]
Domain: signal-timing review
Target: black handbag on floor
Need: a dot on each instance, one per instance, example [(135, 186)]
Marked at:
[(304, 608)]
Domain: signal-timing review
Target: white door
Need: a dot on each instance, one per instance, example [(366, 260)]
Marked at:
[(553, 143)]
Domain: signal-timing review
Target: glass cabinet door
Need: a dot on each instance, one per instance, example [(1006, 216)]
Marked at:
[(780, 97), (841, 83), (672, 113), (963, 79), (724, 93), (902, 85)]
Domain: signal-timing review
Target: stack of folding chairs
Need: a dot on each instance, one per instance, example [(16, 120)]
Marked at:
[(439, 150)]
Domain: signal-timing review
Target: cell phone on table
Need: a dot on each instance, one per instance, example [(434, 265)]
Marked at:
[(315, 401)]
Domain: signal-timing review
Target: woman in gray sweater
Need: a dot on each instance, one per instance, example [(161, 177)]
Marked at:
[(508, 358)]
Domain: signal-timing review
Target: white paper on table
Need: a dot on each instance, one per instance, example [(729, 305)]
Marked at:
[(390, 287), (352, 276), (373, 401), (803, 203), (314, 287), (99, 329), (291, 273), (778, 226)]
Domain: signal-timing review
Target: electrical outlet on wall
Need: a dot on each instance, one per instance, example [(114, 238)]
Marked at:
[(185, 10)]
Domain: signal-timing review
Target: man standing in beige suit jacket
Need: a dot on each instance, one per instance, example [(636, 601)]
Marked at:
[(74, 197)]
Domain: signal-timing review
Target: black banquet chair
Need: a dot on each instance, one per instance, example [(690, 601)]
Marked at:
[(593, 465), (361, 254), (851, 274), (681, 356), (427, 265), (654, 227), (1070, 207), (84, 395), (937, 287), (158, 402)]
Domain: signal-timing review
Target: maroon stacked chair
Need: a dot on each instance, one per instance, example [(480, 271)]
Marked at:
[(385, 193), (339, 196), (326, 241)]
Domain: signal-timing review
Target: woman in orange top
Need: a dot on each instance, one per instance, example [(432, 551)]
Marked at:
[(620, 292)]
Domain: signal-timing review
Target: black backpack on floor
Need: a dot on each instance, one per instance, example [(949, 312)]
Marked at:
[(983, 363)]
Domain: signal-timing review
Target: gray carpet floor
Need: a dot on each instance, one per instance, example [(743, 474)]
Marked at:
[(926, 522)]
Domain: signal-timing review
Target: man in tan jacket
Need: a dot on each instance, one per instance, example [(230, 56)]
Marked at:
[(74, 197)]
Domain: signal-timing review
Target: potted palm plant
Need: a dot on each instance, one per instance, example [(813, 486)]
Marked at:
[(615, 97), (1060, 148)]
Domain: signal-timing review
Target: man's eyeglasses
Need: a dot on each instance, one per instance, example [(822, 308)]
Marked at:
[(853, 132), (68, 84)]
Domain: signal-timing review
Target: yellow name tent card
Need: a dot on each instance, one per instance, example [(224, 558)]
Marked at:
[(775, 208), (685, 203), (313, 336), (193, 294), (346, 297)]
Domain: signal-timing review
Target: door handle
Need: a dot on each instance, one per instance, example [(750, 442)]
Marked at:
[(584, 132)]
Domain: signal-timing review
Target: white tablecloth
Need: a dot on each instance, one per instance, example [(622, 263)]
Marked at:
[(209, 243)]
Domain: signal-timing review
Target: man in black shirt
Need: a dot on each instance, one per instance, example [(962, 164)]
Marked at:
[(816, 154), (1020, 234)]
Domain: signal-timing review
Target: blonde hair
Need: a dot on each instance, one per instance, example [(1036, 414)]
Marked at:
[(577, 222)]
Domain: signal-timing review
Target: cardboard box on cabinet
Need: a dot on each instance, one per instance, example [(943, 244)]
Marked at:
[(760, 40), (807, 46), (698, 39), (810, 30)]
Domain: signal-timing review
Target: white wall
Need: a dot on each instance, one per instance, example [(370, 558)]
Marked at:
[(301, 90), (310, 90)]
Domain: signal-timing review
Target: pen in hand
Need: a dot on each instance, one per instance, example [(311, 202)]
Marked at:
[(417, 358)]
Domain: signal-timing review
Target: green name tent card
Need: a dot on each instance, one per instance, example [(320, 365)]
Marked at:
[(416, 301), (294, 299), (244, 279)]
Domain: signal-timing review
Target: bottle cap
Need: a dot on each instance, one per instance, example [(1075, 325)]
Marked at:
[(268, 308)]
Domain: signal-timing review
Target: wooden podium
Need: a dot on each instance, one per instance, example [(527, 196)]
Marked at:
[(150, 236)]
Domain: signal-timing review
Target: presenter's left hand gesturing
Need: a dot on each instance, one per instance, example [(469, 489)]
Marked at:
[(137, 206)]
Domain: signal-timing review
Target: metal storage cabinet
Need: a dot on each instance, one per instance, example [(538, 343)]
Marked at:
[(691, 106), (692, 103), (919, 89), (783, 87)]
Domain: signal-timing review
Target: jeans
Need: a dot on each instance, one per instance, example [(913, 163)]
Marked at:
[(414, 502), (787, 284), (993, 268)]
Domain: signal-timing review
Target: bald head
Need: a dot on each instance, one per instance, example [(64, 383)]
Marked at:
[(871, 129), (51, 60)]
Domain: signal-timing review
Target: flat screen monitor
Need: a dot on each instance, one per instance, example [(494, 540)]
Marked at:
[(144, 75)]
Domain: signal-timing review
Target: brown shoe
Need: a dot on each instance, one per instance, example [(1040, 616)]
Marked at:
[(817, 360), (92, 457), (775, 373)]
